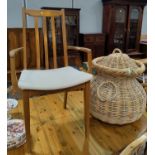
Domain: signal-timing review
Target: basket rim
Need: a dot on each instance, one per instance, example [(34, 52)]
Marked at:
[(129, 72)]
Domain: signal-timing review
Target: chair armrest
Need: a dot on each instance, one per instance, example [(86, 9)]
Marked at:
[(14, 80), (137, 146), (85, 50), (13, 52)]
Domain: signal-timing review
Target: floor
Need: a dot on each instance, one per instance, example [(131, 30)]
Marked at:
[(56, 131)]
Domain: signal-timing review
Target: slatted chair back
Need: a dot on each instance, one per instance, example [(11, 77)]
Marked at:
[(45, 15)]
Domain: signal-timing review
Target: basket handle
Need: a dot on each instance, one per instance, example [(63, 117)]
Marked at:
[(107, 91), (117, 50)]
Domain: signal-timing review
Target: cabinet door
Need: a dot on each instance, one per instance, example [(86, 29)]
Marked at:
[(72, 29), (118, 30), (134, 28)]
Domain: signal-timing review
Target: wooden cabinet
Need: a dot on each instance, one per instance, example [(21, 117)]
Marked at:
[(95, 41), (122, 22), (143, 48), (72, 28)]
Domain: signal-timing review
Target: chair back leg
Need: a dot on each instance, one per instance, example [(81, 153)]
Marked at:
[(86, 108)]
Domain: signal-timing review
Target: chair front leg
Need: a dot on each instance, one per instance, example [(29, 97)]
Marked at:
[(65, 99), (27, 119), (86, 109)]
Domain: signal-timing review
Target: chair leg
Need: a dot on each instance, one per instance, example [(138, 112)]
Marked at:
[(27, 119), (65, 99), (86, 109)]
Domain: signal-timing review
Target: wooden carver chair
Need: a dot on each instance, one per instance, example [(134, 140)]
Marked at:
[(137, 147), (33, 82)]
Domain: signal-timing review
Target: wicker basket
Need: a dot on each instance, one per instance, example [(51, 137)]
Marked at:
[(116, 96)]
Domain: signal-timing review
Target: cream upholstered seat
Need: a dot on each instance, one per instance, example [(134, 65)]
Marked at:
[(52, 79)]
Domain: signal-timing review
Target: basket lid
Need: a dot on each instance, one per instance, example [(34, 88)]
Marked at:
[(119, 64)]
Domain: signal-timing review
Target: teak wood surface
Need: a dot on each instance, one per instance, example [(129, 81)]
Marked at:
[(56, 131)]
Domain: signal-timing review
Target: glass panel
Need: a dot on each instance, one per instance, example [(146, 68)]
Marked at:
[(134, 14), (71, 23), (134, 18), (120, 23), (120, 15)]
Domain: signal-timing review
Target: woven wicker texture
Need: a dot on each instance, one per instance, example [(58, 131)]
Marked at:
[(115, 98), (118, 64)]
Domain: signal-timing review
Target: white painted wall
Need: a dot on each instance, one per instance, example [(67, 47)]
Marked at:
[(90, 14), (14, 13), (144, 23)]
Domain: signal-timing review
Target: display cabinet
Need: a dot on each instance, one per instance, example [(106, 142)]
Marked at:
[(122, 22), (94, 41), (72, 28)]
